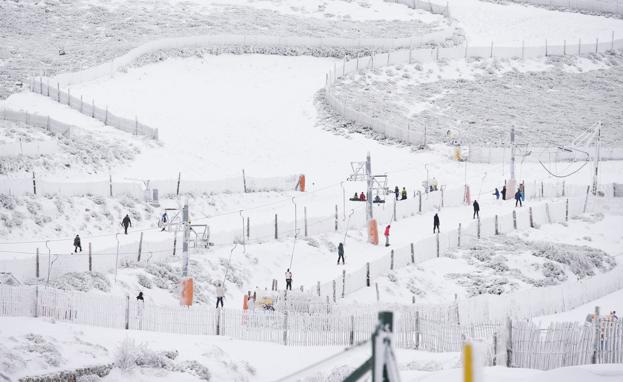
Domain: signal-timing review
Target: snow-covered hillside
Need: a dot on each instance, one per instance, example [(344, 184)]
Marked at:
[(236, 91)]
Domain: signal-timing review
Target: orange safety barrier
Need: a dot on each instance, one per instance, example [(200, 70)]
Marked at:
[(373, 232), (186, 297), (301, 184), (245, 302)]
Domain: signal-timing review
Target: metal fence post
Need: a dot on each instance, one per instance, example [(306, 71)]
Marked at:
[(37, 265), (478, 228), (567, 210), (412, 254), (531, 217), (514, 219), (343, 283), (437, 240), (127, 312), (305, 219), (367, 274), (318, 288), (140, 247), (90, 259), (336, 217), (419, 194), (458, 241), (276, 228), (352, 330), (417, 330), (285, 328), (391, 264), (334, 290)]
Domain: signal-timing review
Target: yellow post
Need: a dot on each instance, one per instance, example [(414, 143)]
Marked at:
[(468, 363)]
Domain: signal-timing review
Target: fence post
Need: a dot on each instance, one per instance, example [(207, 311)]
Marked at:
[(542, 190), (318, 288), (244, 181), (174, 242), (352, 330), (437, 240), (58, 92), (419, 194), (248, 228), (218, 322), (495, 349), (597, 45), (514, 219), (276, 228), (458, 242), (37, 301), (127, 312), (34, 183), (497, 227), (412, 254), (37, 265), (478, 228), (588, 190), (140, 247), (285, 327), (531, 218), (305, 219), (567, 210), (378, 296), (367, 274), (563, 188), (81, 104), (334, 290), (343, 283), (597, 325), (336, 217), (110, 184), (509, 342), (417, 330), (179, 178), (92, 107), (391, 264), (549, 217), (395, 218)]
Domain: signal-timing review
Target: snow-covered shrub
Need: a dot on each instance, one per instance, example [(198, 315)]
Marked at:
[(88, 378), (127, 354), (144, 281), (7, 202), (391, 276), (81, 281), (312, 242), (195, 368), (553, 271)]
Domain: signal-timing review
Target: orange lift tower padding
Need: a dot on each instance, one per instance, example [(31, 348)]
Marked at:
[(186, 297), (373, 232)]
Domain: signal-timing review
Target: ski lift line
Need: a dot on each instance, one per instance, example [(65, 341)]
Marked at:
[(563, 176), (336, 357)]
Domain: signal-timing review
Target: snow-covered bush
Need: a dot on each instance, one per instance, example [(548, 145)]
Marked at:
[(81, 281), (144, 281)]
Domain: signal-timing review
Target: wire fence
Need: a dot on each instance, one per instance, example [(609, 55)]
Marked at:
[(415, 132), (502, 154), (462, 236), (514, 343)]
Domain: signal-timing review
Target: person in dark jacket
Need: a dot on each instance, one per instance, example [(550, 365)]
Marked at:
[(288, 279), (497, 194), (476, 209), (140, 297), (436, 223), (77, 244), (387, 235), (397, 192), (126, 222), (403, 194), (504, 192), (518, 198), (340, 253)]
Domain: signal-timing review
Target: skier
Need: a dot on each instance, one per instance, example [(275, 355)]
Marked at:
[(377, 199), (403, 194), (436, 223), (340, 253), (497, 194), (362, 197), (522, 190), (140, 297), (164, 219), (387, 235), (77, 244), (504, 192), (397, 192), (518, 198), (126, 222), (288, 279), (220, 293), (476, 209)]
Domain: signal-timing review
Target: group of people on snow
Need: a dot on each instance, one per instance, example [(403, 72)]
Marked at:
[(400, 195), (125, 223), (520, 194)]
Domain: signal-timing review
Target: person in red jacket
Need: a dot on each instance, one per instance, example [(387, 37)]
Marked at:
[(362, 197), (387, 235)]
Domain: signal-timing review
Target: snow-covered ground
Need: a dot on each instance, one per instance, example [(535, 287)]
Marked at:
[(219, 114)]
